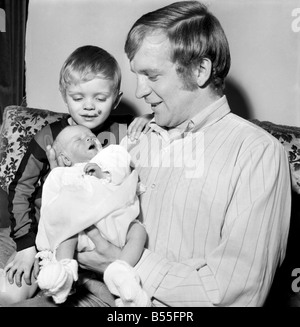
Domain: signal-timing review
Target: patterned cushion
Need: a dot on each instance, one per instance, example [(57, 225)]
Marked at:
[(289, 136), (20, 124)]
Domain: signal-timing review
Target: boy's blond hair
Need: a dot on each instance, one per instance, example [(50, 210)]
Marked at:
[(86, 63)]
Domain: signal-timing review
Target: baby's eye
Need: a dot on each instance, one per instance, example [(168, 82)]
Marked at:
[(101, 99)]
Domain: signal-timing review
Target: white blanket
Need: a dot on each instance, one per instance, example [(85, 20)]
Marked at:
[(73, 201)]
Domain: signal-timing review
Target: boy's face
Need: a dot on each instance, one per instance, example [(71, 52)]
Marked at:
[(90, 103)]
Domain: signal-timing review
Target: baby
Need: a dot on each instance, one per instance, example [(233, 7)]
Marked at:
[(95, 188)]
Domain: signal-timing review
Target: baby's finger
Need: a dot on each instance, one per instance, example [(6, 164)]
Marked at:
[(89, 169), (86, 168)]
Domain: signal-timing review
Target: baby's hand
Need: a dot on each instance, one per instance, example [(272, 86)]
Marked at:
[(139, 125), (93, 169)]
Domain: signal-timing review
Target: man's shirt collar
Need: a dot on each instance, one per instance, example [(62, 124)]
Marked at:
[(205, 117)]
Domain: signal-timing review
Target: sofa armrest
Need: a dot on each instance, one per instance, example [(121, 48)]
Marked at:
[(289, 137), (19, 126)]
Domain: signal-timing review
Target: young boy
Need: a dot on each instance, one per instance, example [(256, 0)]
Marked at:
[(96, 187), (89, 82)]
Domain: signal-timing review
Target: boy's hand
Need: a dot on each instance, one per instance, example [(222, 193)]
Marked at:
[(139, 125), (21, 264)]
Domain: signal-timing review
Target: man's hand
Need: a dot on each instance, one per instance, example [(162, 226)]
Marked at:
[(104, 253), (22, 264)]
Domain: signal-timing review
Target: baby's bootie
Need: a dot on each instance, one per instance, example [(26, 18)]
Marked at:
[(123, 281), (56, 278)]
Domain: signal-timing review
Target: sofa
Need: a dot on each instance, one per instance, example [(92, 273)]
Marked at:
[(21, 123)]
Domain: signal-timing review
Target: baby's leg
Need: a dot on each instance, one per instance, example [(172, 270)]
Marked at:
[(56, 278), (66, 249), (11, 293)]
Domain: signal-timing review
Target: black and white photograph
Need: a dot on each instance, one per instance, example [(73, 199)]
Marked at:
[(150, 156)]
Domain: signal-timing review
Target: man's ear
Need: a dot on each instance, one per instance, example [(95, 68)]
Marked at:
[(203, 72), (66, 161), (117, 100)]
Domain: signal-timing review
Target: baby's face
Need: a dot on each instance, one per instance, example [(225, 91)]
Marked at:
[(79, 143)]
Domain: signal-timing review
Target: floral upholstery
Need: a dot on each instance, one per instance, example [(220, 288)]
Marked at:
[(289, 137), (20, 124)]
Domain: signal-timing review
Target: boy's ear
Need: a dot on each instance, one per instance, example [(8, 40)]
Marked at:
[(66, 161), (203, 72), (117, 100)]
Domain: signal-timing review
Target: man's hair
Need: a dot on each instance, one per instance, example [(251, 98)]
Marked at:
[(86, 63), (194, 34)]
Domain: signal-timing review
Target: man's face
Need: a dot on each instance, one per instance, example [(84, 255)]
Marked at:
[(160, 85)]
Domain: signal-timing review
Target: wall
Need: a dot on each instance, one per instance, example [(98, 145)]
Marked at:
[(264, 37)]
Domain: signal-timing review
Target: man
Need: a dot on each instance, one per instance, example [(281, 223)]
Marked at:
[(216, 204), (217, 224)]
